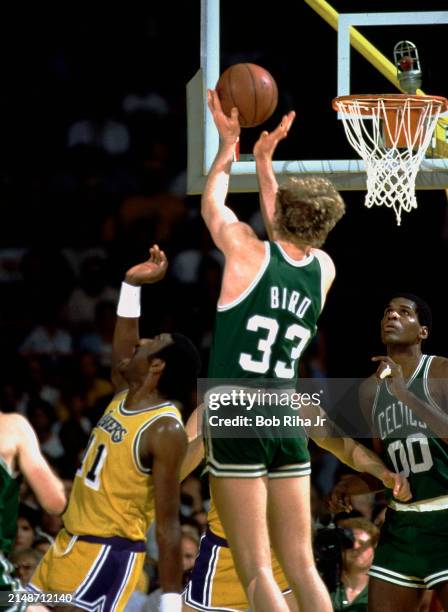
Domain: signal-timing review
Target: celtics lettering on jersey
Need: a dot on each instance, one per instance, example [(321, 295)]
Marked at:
[(409, 447), (265, 331)]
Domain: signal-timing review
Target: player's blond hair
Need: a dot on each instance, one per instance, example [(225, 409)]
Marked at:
[(307, 209)]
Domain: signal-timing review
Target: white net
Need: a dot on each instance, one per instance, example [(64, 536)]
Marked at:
[(391, 134)]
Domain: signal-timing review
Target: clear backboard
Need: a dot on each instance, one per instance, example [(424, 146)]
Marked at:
[(359, 56)]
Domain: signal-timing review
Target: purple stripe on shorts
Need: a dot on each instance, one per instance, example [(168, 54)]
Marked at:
[(116, 543), (206, 556), (109, 582)]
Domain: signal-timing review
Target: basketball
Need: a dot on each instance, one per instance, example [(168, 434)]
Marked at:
[(251, 89)]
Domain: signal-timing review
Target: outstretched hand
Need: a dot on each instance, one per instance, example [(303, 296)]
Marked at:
[(268, 141), (150, 271), (228, 127), (399, 485)]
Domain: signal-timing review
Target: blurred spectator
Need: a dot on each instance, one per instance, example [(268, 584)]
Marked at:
[(51, 524), (27, 521), (92, 289), (13, 398), (39, 385), (42, 417), (200, 517), (192, 486), (74, 432), (190, 548), (379, 515), (99, 341), (364, 504), (25, 561), (48, 338), (352, 593), (47, 275), (110, 135), (42, 543), (91, 384)]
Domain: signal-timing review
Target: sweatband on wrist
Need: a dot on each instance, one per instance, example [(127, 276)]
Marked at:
[(129, 302), (170, 602)]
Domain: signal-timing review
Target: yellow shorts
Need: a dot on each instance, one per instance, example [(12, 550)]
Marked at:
[(214, 583), (100, 573)]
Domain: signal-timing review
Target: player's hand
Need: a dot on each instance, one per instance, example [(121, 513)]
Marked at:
[(340, 499), (389, 369), (268, 141), (150, 271), (228, 127), (399, 485)]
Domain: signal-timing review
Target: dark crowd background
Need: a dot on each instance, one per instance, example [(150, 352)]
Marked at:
[(93, 171)]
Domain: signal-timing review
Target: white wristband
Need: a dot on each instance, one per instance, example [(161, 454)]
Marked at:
[(129, 302), (170, 602)]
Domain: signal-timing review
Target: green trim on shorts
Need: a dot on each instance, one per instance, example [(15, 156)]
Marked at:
[(387, 575), (291, 471), (412, 551)]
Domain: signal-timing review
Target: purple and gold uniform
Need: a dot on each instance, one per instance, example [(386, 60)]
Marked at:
[(214, 584), (98, 556)]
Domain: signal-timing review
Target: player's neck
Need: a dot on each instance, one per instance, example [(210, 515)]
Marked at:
[(354, 580), (407, 356), (293, 250), (141, 397)]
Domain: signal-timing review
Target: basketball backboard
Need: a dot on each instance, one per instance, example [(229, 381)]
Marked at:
[(314, 68)]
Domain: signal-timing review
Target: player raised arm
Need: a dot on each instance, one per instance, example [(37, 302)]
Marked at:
[(47, 487), (126, 334), (263, 152), (221, 221), (434, 417), (163, 446)]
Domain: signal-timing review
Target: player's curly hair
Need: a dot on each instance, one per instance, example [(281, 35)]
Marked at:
[(182, 365), (307, 209)]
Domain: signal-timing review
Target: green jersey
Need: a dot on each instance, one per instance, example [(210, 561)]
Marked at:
[(341, 604), (263, 333), (9, 506), (410, 448)]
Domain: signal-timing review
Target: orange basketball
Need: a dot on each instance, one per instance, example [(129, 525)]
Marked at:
[(251, 89)]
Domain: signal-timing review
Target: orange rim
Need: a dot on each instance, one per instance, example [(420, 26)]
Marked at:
[(366, 102)]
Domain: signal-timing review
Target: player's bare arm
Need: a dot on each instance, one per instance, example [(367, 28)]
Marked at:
[(436, 419), (243, 251), (163, 447), (359, 484), (218, 217), (361, 459), (263, 151), (195, 447), (47, 487), (355, 455), (126, 334)]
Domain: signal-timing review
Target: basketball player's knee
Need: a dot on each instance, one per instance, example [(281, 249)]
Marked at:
[(306, 578), (259, 579)]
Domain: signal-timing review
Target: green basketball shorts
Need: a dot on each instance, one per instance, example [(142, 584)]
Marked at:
[(254, 451), (413, 549)]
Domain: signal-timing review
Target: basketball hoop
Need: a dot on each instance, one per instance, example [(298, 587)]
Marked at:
[(392, 143)]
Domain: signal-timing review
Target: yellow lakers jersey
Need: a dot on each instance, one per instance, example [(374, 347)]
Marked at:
[(113, 493), (214, 523)]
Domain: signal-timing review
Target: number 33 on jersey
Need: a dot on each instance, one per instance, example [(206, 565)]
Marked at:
[(264, 332)]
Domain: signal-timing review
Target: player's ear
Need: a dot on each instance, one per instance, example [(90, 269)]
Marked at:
[(156, 366), (424, 332)]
